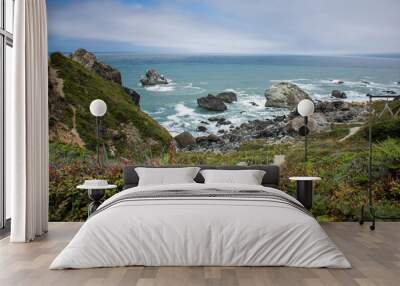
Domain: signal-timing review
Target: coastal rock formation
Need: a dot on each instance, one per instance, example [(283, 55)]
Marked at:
[(338, 94), (317, 123), (212, 138), (285, 95), (152, 77), (216, 119), (223, 122), (201, 128), (133, 95), (211, 102), (227, 96), (283, 128), (332, 106), (89, 61), (185, 139), (220, 121)]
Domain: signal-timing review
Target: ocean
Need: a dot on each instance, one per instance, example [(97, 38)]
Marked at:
[(175, 106)]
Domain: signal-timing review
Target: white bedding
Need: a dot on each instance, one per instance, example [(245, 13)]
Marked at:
[(200, 231)]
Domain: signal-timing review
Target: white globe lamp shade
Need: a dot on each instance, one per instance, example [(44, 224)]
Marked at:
[(98, 107), (305, 107)]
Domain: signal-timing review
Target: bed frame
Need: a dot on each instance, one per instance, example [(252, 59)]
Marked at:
[(270, 179)]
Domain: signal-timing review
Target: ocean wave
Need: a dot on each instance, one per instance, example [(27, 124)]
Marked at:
[(159, 111), (190, 86), (182, 110), (161, 88), (293, 80)]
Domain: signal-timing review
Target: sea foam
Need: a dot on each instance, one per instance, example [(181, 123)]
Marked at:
[(160, 88)]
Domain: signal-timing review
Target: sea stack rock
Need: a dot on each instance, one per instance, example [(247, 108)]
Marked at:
[(152, 77), (89, 61), (284, 95), (227, 96), (338, 94), (211, 102)]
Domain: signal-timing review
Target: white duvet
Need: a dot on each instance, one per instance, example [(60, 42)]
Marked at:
[(200, 231)]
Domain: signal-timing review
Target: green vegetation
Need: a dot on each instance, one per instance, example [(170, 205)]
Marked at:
[(342, 165), (125, 122), (339, 196), (136, 138), (129, 134)]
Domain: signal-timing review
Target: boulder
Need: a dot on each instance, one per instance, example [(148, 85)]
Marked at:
[(365, 82), (221, 131), (279, 118), (201, 128), (208, 139), (253, 103), (338, 94), (152, 77), (227, 96), (317, 123), (133, 95), (216, 118), (223, 122), (212, 103), (331, 106), (284, 95), (89, 61), (204, 122), (185, 139)]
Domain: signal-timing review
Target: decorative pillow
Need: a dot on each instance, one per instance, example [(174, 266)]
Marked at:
[(247, 177), (166, 176)]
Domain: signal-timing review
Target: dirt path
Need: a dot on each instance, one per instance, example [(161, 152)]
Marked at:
[(352, 131)]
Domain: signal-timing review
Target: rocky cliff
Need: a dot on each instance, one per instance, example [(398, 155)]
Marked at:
[(126, 129)]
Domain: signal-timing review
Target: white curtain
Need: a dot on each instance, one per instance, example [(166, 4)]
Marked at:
[(27, 124)]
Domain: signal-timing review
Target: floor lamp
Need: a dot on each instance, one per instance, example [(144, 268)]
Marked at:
[(305, 108), (98, 108)]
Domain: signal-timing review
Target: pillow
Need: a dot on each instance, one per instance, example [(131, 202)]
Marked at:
[(166, 176), (248, 177)]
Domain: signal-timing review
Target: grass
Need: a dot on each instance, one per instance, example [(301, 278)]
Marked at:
[(81, 86), (342, 166)]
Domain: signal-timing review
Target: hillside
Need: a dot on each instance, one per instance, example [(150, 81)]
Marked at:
[(127, 131)]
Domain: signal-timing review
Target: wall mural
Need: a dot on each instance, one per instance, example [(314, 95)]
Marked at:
[(199, 82)]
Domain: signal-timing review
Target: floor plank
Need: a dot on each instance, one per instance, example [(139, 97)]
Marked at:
[(375, 257)]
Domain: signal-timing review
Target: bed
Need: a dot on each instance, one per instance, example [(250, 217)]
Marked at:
[(201, 224)]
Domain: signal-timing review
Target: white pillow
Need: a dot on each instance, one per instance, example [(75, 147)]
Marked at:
[(247, 177), (166, 176)]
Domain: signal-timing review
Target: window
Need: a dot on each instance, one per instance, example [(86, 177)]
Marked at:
[(6, 43)]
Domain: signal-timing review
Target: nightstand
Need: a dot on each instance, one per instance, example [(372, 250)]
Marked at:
[(304, 190), (96, 190)]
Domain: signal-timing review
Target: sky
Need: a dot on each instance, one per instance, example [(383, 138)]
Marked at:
[(225, 26)]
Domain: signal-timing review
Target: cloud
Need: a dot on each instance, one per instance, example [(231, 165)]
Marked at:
[(234, 26), (149, 27)]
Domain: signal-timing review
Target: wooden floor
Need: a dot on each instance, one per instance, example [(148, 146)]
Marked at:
[(375, 257)]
